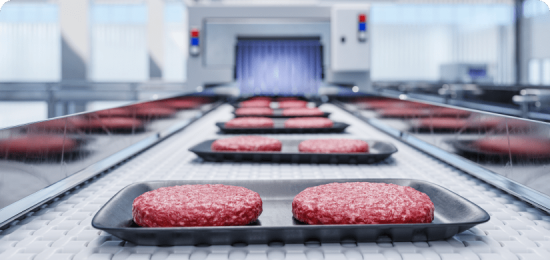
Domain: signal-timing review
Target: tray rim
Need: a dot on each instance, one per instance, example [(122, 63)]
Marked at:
[(486, 216), (193, 149), (221, 126), (325, 114)]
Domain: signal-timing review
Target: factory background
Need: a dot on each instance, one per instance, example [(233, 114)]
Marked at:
[(78, 43)]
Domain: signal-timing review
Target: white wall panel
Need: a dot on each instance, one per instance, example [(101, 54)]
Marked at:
[(540, 33), (409, 52), (411, 42), (30, 52), (175, 53), (27, 112), (119, 53)]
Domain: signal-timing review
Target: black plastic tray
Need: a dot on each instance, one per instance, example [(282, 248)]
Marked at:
[(453, 214), (236, 104), (279, 128), (289, 153), (278, 113)]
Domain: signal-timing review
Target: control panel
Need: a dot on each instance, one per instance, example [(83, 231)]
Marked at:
[(350, 38)]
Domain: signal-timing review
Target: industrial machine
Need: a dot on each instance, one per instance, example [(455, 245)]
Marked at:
[(292, 49)]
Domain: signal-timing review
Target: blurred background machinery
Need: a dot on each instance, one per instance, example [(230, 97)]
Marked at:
[(67, 56)]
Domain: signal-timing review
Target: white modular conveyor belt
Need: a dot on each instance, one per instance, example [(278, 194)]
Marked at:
[(62, 229)]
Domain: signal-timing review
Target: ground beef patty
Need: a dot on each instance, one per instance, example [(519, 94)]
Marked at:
[(254, 111), (250, 122), (308, 122), (197, 205), (255, 103), (181, 104), (514, 145), (303, 112), (362, 203), (292, 103), (154, 112), (247, 143), (333, 146), (37, 145), (112, 123)]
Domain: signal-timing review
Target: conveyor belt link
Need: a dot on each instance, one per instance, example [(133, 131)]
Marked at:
[(62, 230)]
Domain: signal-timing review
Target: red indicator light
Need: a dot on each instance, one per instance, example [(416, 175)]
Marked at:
[(362, 18), (194, 33)]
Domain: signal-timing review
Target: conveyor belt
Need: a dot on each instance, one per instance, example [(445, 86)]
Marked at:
[(62, 230)]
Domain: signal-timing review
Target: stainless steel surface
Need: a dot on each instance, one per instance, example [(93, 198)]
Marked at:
[(514, 167), (34, 170), (62, 229)]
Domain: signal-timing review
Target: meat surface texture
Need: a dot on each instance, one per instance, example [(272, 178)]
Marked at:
[(250, 122), (254, 111), (303, 112), (362, 203), (292, 103), (197, 205), (255, 103), (333, 146), (308, 122), (247, 143)]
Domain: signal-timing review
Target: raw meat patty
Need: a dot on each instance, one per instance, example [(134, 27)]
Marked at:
[(247, 143), (113, 123), (37, 145), (303, 112), (197, 205), (255, 103), (362, 203), (152, 111), (308, 122), (522, 146), (254, 111), (114, 112), (443, 123), (181, 103), (333, 146), (292, 103), (56, 125), (250, 122)]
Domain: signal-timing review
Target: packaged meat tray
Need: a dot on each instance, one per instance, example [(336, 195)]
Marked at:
[(289, 153), (278, 113), (453, 215), (279, 128)]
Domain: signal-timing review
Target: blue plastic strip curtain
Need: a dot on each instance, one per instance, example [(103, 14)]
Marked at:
[(279, 67)]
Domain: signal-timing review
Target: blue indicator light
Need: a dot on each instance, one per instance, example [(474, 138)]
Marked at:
[(195, 41), (362, 26)]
